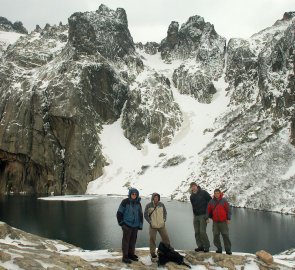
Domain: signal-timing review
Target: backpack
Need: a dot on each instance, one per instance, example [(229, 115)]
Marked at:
[(166, 253)]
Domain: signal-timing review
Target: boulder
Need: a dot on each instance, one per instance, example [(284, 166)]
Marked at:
[(264, 256)]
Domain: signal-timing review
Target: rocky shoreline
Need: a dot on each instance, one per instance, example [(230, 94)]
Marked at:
[(21, 250)]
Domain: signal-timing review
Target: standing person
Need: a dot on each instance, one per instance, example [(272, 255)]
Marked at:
[(155, 214), (219, 210), (199, 199), (130, 218)]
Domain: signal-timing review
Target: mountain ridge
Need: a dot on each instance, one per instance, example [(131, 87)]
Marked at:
[(155, 94)]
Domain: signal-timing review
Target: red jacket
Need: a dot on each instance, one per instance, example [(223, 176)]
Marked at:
[(218, 210)]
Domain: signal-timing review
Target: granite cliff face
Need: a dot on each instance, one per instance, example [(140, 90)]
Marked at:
[(54, 98)]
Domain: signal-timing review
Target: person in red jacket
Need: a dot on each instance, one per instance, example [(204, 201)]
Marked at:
[(218, 209)]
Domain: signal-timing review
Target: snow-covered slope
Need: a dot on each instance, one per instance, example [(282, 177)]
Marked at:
[(240, 142), (150, 168), (7, 38)]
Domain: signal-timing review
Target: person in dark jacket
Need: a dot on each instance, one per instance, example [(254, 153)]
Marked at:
[(219, 210), (130, 218), (155, 214), (199, 199)]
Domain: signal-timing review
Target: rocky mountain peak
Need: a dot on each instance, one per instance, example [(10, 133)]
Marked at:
[(289, 15), (104, 31), (195, 22), (194, 43), (287, 18), (109, 14), (8, 26), (172, 34), (195, 39)]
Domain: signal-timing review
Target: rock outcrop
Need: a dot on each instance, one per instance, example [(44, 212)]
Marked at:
[(202, 51), (8, 26), (104, 31), (195, 39), (151, 112)]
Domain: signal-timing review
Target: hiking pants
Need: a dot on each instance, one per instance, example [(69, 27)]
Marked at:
[(128, 240), (153, 233), (221, 227), (201, 236)]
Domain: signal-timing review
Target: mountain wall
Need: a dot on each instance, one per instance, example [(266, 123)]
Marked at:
[(251, 156), (61, 86), (55, 95)]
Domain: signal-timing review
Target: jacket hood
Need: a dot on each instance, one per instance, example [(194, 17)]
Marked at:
[(133, 190), (155, 194), (220, 197)]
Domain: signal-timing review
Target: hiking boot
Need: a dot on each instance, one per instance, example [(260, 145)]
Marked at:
[(199, 249), (133, 257), (206, 250), (228, 252), (154, 255), (219, 251), (126, 260)]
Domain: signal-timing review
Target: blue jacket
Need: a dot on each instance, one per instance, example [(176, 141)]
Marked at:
[(130, 211)]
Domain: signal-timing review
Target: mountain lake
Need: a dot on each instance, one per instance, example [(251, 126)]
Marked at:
[(92, 224)]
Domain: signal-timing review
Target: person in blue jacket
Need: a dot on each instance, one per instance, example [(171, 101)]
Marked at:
[(130, 218)]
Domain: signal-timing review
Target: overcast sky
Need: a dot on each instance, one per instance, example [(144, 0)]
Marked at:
[(149, 19)]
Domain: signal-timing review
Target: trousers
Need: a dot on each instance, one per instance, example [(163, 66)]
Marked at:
[(128, 240), (200, 226), (153, 234)]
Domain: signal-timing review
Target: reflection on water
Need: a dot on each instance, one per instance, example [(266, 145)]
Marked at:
[(92, 224)]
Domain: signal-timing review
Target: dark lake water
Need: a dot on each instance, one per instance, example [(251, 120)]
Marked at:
[(92, 224)]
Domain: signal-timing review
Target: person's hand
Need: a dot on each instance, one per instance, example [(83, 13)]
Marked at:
[(207, 220), (227, 221)]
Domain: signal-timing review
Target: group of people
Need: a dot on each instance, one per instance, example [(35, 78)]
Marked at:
[(130, 218)]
